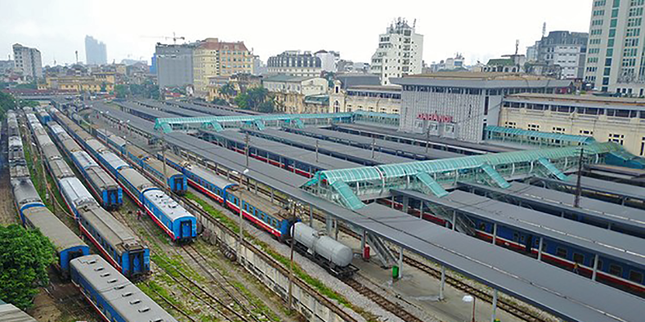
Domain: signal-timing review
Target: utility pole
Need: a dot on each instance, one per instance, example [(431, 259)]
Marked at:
[(576, 201), (163, 153), (293, 242), (427, 140), (316, 151), (246, 149), (373, 144)]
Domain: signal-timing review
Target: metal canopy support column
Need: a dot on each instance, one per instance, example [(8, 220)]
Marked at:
[(329, 223), (311, 216), (454, 220), (595, 268), (406, 202), (363, 241), (493, 315), (443, 283), (400, 262), (494, 233), (540, 249)]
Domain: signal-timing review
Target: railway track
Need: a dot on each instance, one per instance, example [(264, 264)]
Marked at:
[(237, 299), (502, 303), (379, 299), (187, 283)]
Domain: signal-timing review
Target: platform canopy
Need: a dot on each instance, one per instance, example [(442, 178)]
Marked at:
[(219, 123), (506, 134), (349, 186)]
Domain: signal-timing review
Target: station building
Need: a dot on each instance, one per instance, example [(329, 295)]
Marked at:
[(617, 119), (459, 105)]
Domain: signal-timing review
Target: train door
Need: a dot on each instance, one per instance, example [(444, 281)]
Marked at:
[(185, 230), (529, 243), (136, 263)]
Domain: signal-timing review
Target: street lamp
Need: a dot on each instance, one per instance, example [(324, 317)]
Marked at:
[(468, 299)]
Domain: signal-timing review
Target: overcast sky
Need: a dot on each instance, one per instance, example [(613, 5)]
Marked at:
[(479, 29)]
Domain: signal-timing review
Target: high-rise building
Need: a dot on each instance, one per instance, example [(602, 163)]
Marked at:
[(174, 64), (615, 53), (328, 60), (27, 61), (564, 49), (212, 58), (399, 52), (295, 63), (95, 51)]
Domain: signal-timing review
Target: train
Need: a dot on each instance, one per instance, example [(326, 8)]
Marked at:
[(31, 209), (179, 224), (175, 180), (103, 286), (332, 255), (111, 295), (107, 192), (120, 247), (609, 271)]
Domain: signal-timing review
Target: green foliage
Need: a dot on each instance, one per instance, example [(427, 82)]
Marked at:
[(145, 90), (257, 99), (220, 101), (122, 91), (25, 256), (228, 90), (31, 85), (29, 103), (7, 102)]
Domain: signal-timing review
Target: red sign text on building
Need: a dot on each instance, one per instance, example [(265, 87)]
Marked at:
[(435, 117)]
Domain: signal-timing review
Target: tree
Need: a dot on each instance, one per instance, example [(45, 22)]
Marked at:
[(25, 256), (7, 102), (242, 101), (122, 91), (31, 85), (30, 103), (257, 99), (227, 90), (220, 101)]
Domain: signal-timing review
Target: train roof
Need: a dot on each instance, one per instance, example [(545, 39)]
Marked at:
[(210, 176), (10, 313), (136, 179), (110, 229), (58, 233), (84, 159), (18, 171), (101, 178), (50, 151), (95, 145), (117, 140), (166, 204), (136, 151), (57, 128), (263, 204), (123, 296), (60, 169), (24, 192), (114, 160), (158, 165), (76, 192), (15, 141)]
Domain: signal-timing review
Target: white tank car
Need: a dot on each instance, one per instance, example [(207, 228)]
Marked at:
[(324, 246)]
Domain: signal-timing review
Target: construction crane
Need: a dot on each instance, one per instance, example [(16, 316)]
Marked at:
[(174, 37)]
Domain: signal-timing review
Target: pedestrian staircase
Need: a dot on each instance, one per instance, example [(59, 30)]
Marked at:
[(383, 252), (495, 176)]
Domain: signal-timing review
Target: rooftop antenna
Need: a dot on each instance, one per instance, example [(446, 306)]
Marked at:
[(76, 52), (544, 29), (517, 46), (414, 23)]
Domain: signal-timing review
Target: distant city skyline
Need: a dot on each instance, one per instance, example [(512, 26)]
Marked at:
[(95, 51), (479, 30)]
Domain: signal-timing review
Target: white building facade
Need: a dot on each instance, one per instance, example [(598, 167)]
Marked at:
[(615, 49), (295, 63), (399, 52), (27, 61), (328, 60), (460, 105)]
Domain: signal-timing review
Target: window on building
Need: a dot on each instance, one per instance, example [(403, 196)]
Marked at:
[(560, 130), (643, 146), (533, 127), (618, 138), (512, 125)]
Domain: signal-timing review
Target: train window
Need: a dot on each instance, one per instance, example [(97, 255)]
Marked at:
[(522, 238), (516, 236), (615, 270), (635, 276), (561, 252), (578, 258), (482, 226)]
